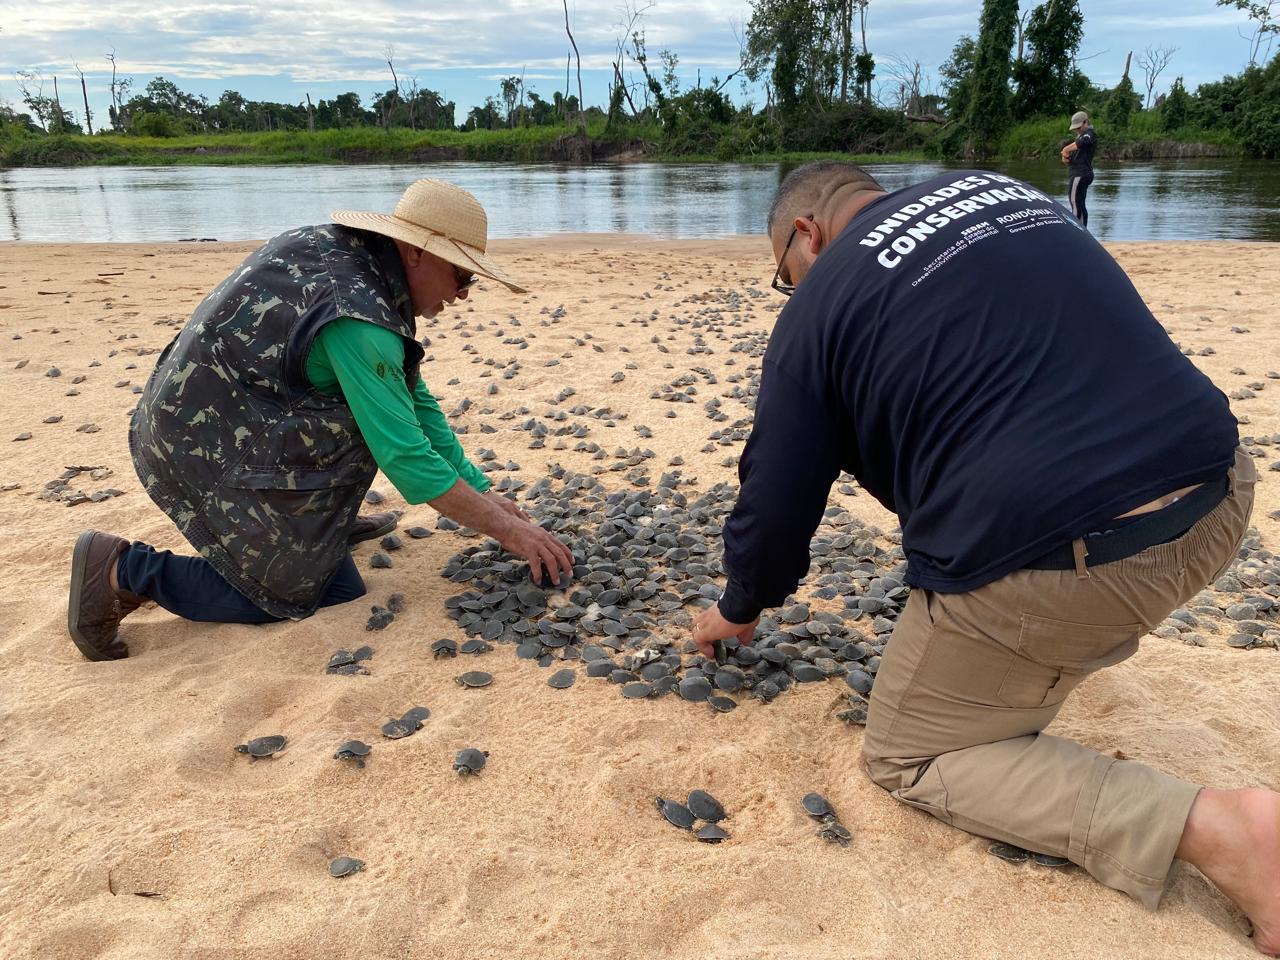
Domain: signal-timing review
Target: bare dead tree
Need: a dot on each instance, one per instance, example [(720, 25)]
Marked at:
[(393, 95), (411, 100), (735, 26), (57, 102), (1023, 17), (88, 117), (1153, 60), (582, 110), (311, 120)]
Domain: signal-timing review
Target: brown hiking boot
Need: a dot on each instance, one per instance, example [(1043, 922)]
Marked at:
[(374, 525), (94, 607)]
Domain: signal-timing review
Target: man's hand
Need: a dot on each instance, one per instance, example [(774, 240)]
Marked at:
[(501, 519), (543, 551), (712, 626), (509, 505)]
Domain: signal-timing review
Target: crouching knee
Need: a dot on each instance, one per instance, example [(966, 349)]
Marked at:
[(887, 768)]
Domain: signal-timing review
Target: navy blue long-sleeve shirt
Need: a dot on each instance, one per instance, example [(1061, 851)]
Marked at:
[(987, 372)]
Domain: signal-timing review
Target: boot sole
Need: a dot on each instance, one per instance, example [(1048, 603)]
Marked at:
[(79, 558), (382, 531)]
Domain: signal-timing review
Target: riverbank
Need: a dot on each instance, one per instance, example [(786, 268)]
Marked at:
[(534, 144), (132, 829)]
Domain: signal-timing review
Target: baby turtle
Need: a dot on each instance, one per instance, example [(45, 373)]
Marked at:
[(712, 833), (444, 648), (380, 561), (695, 689), (473, 679), (1008, 852), (260, 747), (722, 704), (391, 542), (407, 725), (345, 866), (835, 832), (637, 690), (355, 750), (418, 533), (816, 806), (380, 619), (676, 814), (562, 679), (475, 646), (470, 761), (705, 807), (347, 662), (395, 603), (1048, 860)]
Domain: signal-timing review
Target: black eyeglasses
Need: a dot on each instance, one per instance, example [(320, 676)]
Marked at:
[(464, 278), (786, 289)]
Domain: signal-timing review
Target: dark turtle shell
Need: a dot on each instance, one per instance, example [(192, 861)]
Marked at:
[(712, 833), (562, 679), (353, 750), (474, 678), (444, 648), (1008, 852), (676, 814), (695, 689), (470, 761), (816, 806), (263, 746), (1048, 860), (637, 690), (705, 807), (722, 704), (835, 832), (345, 866)]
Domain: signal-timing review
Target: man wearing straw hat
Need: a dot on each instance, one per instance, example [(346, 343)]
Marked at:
[(268, 416)]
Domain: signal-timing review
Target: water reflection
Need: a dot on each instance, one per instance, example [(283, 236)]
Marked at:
[(1182, 200)]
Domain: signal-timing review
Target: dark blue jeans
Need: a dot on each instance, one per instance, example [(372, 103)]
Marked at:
[(191, 588)]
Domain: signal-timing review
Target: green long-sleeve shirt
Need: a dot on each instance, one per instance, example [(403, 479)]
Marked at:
[(407, 433)]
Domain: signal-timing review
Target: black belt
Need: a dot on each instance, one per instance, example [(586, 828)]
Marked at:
[(1139, 533)]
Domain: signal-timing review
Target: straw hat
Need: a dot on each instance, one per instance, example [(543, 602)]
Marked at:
[(441, 219)]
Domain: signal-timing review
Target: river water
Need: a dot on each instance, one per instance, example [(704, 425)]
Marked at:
[(1162, 200)]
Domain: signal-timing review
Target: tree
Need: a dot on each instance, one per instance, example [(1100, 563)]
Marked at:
[(1264, 15), (1047, 79), (957, 77), (1153, 60), (1176, 106), (582, 123), (988, 117), (510, 94), (84, 91), (1123, 100)]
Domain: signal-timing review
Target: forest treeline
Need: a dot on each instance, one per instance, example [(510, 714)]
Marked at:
[(1006, 90)]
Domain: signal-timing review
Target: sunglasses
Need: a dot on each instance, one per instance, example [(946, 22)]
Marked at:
[(786, 289), (464, 279)]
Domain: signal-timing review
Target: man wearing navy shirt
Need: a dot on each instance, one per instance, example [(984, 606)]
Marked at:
[(1064, 478), (1077, 156)]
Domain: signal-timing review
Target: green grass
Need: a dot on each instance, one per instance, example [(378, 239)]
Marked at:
[(360, 144), (1043, 138)]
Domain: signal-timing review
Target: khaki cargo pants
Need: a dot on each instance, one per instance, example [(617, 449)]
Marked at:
[(969, 681)]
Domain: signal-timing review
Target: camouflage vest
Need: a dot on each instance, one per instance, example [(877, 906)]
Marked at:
[(261, 472)]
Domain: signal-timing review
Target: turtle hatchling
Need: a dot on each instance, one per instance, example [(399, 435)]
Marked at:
[(407, 725), (444, 648), (816, 806), (835, 832), (260, 747), (470, 761), (355, 750), (1008, 852), (345, 866), (712, 833), (562, 679), (705, 807), (676, 814), (473, 679)]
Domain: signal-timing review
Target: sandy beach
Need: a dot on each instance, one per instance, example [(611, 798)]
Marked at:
[(131, 830)]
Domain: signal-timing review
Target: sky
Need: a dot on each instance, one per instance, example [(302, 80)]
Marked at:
[(285, 49)]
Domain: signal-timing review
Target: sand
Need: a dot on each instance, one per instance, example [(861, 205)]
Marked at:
[(120, 778)]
